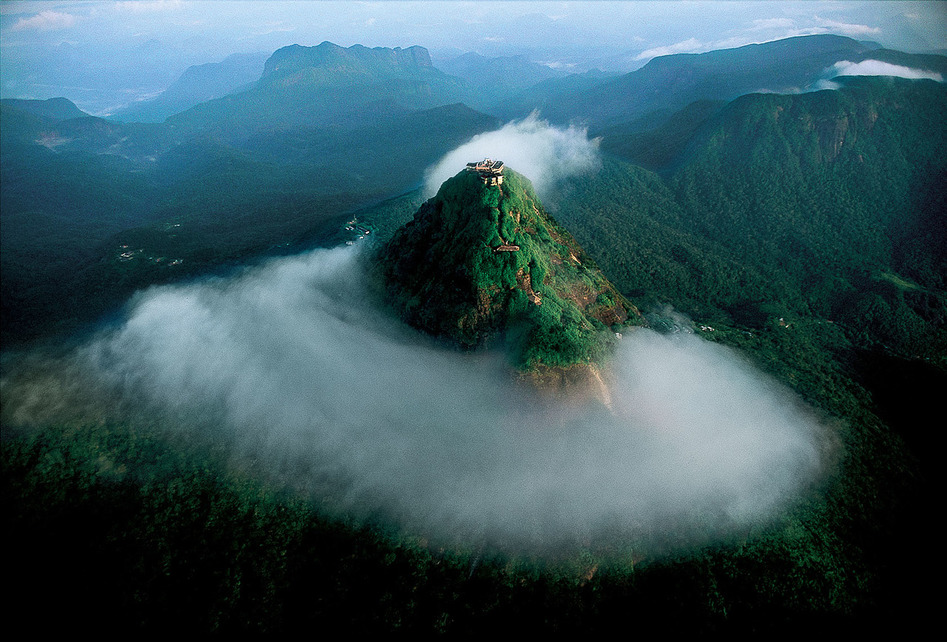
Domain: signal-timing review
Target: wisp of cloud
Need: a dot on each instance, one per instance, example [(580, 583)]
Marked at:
[(297, 366), (873, 68), (541, 152)]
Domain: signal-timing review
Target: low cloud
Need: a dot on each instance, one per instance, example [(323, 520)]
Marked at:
[(298, 368), (879, 68), (847, 28), (532, 147), (764, 30), (45, 21), (147, 6), (691, 45)]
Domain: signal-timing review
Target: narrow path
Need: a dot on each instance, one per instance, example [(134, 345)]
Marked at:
[(604, 393)]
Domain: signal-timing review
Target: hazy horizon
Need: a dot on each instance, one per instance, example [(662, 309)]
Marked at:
[(102, 55)]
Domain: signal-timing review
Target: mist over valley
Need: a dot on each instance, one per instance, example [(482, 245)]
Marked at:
[(296, 366)]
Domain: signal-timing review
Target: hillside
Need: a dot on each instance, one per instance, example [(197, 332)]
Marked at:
[(197, 84), (76, 191), (53, 108), (827, 205), (669, 83), (481, 262), (839, 193)]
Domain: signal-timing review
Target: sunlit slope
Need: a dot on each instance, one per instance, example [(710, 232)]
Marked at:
[(828, 205), (480, 262), (841, 192)]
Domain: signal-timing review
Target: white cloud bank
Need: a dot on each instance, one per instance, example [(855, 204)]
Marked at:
[(879, 68), (45, 21), (147, 6), (531, 146), (871, 68), (691, 45), (293, 364), (763, 30)]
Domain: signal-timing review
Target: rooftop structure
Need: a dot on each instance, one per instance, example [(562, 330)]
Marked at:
[(489, 170)]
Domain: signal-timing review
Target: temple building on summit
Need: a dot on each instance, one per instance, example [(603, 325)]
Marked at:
[(490, 171)]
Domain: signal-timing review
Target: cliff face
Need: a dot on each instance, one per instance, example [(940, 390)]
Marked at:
[(486, 264)]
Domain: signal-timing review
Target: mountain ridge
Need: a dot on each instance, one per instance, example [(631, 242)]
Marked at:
[(51, 108), (669, 83)]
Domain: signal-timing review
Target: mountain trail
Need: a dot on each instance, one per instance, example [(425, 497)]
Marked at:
[(603, 393)]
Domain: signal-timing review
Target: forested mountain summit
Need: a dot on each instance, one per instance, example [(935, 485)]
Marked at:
[(291, 60), (482, 262), (327, 85)]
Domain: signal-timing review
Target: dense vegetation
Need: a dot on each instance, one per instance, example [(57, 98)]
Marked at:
[(82, 230), (481, 261), (806, 230), (821, 213), (127, 530)]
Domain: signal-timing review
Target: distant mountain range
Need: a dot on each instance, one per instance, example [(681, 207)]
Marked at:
[(196, 85), (667, 84), (333, 86), (494, 80)]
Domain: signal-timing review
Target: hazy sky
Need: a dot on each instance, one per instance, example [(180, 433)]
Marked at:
[(488, 27), (143, 46)]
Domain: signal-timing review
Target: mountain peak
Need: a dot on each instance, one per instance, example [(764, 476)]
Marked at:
[(292, 59), (327, 85), (483, 263)]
